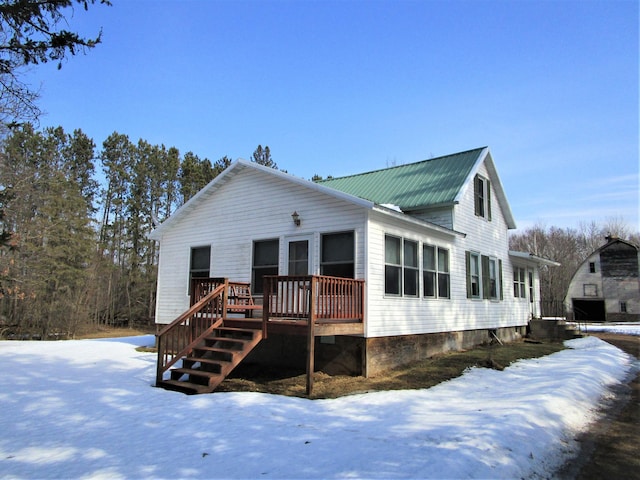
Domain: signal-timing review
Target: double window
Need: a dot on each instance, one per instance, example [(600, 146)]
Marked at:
[(484, 276), (402, 269), (435, 271)]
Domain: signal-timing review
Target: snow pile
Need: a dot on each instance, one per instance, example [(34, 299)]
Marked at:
[(86, 409)]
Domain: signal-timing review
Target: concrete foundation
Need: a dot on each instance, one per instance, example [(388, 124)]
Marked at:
[(344, 355)]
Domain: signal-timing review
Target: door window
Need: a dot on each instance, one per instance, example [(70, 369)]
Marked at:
[(299, 257)]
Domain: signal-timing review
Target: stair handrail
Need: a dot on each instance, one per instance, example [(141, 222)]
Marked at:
[(202, 317)]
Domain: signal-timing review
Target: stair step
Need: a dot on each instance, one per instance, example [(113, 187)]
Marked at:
[(185, 387), (203, 350), (244, 332), (194, 375), (214, 364), (225, 343)]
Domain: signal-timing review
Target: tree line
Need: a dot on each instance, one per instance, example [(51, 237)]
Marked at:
[(75, 250), (74, 245)]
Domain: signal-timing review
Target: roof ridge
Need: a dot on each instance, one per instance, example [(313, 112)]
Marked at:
[(401, 166)]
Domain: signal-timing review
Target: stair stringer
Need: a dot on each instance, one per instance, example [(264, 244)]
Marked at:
[(205, 366)]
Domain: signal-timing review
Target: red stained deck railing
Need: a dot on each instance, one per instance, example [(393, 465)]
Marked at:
[(318, 297)]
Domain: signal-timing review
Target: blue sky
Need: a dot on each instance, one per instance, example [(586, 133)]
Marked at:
[(342, 87)]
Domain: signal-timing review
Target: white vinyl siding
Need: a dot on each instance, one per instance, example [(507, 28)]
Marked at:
[(401, 315), (250, 206)]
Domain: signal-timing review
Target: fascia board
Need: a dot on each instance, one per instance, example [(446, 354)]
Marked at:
[(534, 259), (485, 157)]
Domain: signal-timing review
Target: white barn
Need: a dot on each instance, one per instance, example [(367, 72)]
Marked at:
[(428, 242)]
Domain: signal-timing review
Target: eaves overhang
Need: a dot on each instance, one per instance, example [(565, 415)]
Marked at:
[(535, 259), (417, 222)]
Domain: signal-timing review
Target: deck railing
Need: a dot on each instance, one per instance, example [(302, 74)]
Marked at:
[(317, 297), (177, 339)]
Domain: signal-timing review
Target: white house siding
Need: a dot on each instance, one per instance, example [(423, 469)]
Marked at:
[(251, 206), (389, 315)]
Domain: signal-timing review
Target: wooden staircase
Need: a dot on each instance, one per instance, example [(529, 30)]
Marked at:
[(203, 345), (212, 360)]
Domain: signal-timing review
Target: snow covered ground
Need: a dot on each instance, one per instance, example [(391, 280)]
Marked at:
[(623, 328), (86, 409)]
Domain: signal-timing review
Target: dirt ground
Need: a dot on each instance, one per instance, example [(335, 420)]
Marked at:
[(610, 449)]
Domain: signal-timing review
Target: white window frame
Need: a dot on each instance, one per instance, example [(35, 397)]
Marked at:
[(520, 283)]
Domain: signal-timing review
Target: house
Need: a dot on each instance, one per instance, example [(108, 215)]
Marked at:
[(350, 275), (606, 286)]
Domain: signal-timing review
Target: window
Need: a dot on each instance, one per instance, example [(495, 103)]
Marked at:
[(590, 290), (299, 257), (392, 265), (443, 273), (531, 290), (482, 197), (200, 262), (435, 271), (337, 255), (493, 279), (429, 270), (265, 262), (623, 307), (592, 267), (473, 274), (519, 283), (411, 269)]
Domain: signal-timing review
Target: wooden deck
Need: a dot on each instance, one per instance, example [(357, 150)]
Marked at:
[(311, 305)]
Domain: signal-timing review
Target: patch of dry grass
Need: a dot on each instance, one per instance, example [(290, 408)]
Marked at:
[(422, 374)]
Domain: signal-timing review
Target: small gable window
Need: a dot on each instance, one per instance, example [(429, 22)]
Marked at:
[(482, 197), (592, 267)]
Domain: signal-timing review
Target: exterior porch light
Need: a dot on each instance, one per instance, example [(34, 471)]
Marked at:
[(296, 218)]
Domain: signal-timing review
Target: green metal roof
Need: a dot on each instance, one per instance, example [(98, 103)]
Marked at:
[(412, 186)]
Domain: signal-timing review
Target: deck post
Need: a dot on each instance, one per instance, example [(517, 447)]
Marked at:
[(311, 337)]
